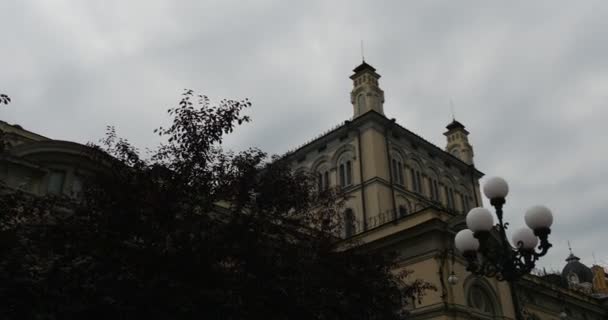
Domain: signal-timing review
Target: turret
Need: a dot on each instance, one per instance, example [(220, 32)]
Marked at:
[(366, 94), (458, 142)]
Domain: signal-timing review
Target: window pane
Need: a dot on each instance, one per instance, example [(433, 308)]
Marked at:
[(349, 222), (55, 185), (394, 169), (320, 181), (76, 187), (349, 173), (413, 175)]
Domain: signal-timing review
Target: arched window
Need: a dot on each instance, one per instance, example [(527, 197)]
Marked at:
[(322, 178), (433, 184), (346, 173), (361, 102), (435, 189), (463, 199), (397, 169), (415, 175), (451, 203), (344, 160), (349, 223), (416, 181), (480, 299), (448, 191)]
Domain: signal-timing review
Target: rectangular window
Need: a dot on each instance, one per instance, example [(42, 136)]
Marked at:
[(413, 178), (461, 201), (394, 170), (342, 176), (77, 187), (400, 171), (418, 182), (349, 173), (326, 180), (450, 198), (320, 181), (55, 184), (428, 188)]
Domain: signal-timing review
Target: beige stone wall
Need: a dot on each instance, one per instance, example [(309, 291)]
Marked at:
[(372, 179)]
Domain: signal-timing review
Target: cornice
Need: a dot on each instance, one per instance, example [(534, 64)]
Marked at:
[(389, 125)]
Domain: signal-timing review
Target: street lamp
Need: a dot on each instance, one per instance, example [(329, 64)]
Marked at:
[(485, 245)]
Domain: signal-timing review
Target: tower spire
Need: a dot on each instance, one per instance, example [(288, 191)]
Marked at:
[(366, 94), (458, 141), (571, 257), (362, 52)]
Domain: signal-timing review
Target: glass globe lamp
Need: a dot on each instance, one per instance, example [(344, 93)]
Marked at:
[(496, 188), (485, 244), (539, 219), (525, 239), (480, 220), (465, 242)]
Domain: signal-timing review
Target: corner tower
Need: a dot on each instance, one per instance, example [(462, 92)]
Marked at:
[(366, 94), (458, 142)]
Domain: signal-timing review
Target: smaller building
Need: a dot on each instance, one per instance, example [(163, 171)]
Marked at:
[(578, 292), (39, 165)]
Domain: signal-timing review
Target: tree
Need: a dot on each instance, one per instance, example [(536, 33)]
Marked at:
[(4, 99), (191, 232)]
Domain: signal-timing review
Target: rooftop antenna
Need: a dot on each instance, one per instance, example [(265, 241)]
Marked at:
[(452, 110), (362, 53)]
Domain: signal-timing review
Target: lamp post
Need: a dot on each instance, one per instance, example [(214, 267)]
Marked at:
[(485, 245)]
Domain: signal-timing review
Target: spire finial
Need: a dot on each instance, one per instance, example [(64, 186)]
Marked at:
[(569, 247), (362, 52), (452, 110)]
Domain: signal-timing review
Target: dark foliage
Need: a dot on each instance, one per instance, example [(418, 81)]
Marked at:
[(4, 99), (191, 232)]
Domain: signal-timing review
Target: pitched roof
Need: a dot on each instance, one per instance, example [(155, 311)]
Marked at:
[(364, 66), (454, 125)]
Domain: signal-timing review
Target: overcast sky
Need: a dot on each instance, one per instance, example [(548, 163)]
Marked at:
[(528, 79)]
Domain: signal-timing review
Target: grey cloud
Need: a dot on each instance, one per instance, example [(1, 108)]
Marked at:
[(529, 80)]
